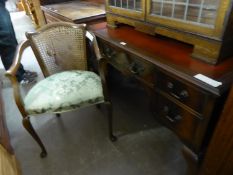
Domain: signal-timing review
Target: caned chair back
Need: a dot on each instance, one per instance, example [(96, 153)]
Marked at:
[(59, 47)]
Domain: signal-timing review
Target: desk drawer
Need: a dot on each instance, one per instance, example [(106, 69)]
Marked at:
[(185, 124), (129, 65), (182, 91)]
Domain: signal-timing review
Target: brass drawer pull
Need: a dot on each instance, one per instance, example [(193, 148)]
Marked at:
[(109, 52), (180, 96), (136, 68), (184, 94), (170, 85), (172, 119)]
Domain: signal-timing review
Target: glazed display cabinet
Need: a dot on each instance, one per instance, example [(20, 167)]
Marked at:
[(130, 8), (205, 24)]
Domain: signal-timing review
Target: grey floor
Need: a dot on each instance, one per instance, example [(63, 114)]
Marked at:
[(78, 144)]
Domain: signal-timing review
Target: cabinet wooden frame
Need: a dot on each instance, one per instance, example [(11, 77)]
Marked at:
[(216, 32), (211, 44)]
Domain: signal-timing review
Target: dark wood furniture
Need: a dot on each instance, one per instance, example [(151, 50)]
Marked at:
[(188, 106), (88, 11), (4, 135), (8, 163), (206, 24), (219, 157)]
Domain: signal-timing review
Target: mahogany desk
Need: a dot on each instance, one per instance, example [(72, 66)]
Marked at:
[(188, 106)]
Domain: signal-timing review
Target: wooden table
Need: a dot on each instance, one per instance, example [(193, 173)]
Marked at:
[(88, 11), (180, 99)]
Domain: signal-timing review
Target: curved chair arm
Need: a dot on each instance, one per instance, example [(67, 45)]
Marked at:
[(17, 59), (11, 74), (101, 64), (95, 45)]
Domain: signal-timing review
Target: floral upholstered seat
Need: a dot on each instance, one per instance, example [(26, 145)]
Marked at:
[(63, 92)]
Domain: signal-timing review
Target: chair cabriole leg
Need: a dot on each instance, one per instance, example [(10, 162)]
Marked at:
[(109, 113), (28, 126)]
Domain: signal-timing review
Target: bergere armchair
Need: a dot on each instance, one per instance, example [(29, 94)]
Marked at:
[(61, 51)]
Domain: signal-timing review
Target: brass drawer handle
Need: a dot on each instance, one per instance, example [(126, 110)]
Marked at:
[(136, 68), (180, 96), (109, 52), (184, 94), (172, 119)]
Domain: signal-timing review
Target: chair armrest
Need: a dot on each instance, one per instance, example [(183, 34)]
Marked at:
[(17, 59), (11, 74), (101, 63)]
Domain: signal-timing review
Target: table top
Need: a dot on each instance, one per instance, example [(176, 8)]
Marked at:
[(76, 10), (166, 53)]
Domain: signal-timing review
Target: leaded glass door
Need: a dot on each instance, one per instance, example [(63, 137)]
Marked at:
[(130, 8), (199, 16)]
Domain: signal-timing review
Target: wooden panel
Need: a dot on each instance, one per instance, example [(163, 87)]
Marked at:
[(4, 135), (219, 157), (8, 162)]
